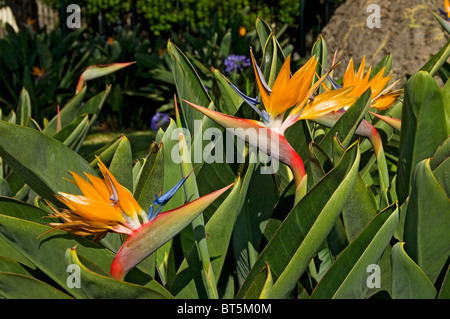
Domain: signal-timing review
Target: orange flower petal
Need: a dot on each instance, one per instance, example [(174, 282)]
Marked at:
[(91, 209), (86, 188), (327, 102), (119, 194)]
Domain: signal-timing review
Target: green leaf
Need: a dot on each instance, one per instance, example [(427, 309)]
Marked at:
[(121, 165), (348, 276), (157, 232), (408, 279), (358, 211), (263, 30), (67, 114), (19, 286), (95, 103), (218, 229), (444, 23), (273, 59), (105, 153), (231, 101), (11, 118), (189, 86), (24, 107), (320, 50), (446, 96), (72, 133), (172, 172), (96, 286), (273, 56), (386, 62), (151, 179), (440, 165), (252, 219), (347, 124), (262, 285), (40, 161), (444, 293), (437, 60), (48, 252), (198, 224), (225, 44), (15, 208), (306, 227), (9, 265), (206, 270), (427, 221), (421, 133)]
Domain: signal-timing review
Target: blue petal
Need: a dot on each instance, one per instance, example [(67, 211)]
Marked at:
[(265, 116), (333, 83), (260, 75), (249, 100), (150, 214), (444, 13), (164, 198), (253, 102)]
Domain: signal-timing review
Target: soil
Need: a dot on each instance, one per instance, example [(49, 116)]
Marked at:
[(408, 31)]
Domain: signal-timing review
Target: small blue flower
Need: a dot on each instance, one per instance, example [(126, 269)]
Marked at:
[(236, 63), (159, 120)]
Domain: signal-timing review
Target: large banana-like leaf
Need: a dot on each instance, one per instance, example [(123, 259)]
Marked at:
[(427, 221), (96, 286), (189, 86), (19, 286), (347, 277), (158, 231), (408, 280), (47, 253), (40, 161), (306, 227), (421, 133)]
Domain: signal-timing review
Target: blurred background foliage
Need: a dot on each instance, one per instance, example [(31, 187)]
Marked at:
[(46, 58)]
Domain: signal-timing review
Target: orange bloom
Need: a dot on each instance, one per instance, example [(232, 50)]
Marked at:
[(296, 92), (381, 97), (38, 72)]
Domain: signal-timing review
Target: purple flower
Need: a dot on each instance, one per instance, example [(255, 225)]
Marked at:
[(236, 63), (159, 120)]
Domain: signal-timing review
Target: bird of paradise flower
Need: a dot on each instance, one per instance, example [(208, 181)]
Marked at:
[(107, 206), (297, 97)]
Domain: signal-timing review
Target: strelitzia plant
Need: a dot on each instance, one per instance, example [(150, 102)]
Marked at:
[(107, 206), (382, 98), (250, 242), (96, 71), (292, 95)]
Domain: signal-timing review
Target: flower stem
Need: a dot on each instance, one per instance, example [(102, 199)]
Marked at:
[(291, 158), (368, 130), (198, 224), (300, 178)]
